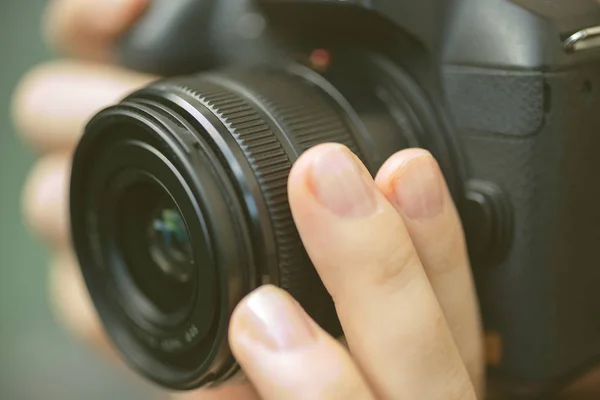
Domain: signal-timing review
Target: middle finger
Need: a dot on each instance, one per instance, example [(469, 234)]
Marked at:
[(412, 181), (362, 250)]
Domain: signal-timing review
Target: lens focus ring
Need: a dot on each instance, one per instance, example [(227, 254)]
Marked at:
[(274, 117)]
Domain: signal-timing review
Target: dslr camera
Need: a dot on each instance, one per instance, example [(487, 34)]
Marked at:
[(178, 193)]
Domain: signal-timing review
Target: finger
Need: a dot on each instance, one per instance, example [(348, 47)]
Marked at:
[(362, 250), (45, 199), (54, 101), (72, 304), (412, 181), (237, 391), (286, 355), (89, 28)]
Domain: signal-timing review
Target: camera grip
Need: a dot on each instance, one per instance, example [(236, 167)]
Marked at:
[(534, 134)]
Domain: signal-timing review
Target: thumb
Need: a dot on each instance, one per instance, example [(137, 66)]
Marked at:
[(89, 28)]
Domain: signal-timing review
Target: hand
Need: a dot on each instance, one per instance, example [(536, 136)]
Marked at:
[(50, 108), (392, 255), (405, 295)]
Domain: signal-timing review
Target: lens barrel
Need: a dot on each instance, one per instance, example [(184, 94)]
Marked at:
[(179, 201)]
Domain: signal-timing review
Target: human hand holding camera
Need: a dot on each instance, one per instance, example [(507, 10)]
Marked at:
[(390, 250), (428, 344)]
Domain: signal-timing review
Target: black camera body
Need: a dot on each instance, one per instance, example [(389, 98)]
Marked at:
[(523, 103), (507, 97)]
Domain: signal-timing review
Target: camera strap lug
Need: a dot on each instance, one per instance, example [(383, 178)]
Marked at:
[(585, 39)]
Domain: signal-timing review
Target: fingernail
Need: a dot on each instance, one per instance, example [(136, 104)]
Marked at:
[(272, 318), (418, 188), (340, 184)]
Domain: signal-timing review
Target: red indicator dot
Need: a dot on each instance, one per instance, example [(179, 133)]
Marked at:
[(320, 59)]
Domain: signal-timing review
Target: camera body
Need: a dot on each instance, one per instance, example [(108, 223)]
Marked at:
[(524, 108), (517, 88)]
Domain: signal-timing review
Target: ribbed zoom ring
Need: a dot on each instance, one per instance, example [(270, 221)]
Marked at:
[(261, 110)]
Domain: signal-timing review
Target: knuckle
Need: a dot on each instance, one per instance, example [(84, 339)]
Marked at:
[(451, 252), (459, 386), (454, 379), (44, 197), (452, 375), (28, 95), (395, 264), (431, 329)]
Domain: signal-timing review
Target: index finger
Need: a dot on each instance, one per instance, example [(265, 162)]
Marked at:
[(363, 252)]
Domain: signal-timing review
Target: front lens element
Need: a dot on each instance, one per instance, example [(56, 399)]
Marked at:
[(169, 243), (155, 245)]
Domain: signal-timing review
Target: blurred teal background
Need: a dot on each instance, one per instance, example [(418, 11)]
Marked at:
[(38, 359)]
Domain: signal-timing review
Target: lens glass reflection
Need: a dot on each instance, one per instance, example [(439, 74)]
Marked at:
[(155, 244)]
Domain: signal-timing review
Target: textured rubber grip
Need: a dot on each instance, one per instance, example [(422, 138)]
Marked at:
[(274, 118)]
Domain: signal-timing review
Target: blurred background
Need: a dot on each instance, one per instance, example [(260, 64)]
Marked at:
[(38, 359)]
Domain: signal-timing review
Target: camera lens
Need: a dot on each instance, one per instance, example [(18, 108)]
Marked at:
[(179, 199), (169, 243), (154, 242)]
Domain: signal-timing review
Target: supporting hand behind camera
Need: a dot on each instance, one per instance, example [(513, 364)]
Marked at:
[(390, 251)]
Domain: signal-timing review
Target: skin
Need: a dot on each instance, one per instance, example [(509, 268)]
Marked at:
[(430, 345), (393, 242)]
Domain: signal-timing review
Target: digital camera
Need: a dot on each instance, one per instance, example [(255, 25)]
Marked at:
[(178, 193)]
